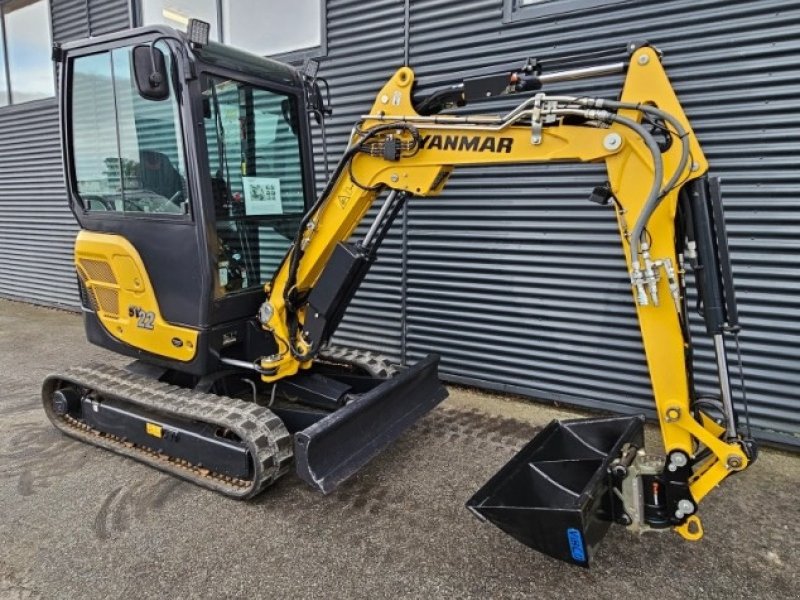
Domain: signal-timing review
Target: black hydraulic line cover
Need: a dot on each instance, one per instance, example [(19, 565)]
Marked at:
[(486, 86), (336, 447), (314, 389), (335, 288), (555, 495)]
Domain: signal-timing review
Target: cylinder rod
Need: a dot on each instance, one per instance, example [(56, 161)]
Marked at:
[(725, 385), (379, 219), (582, 73)]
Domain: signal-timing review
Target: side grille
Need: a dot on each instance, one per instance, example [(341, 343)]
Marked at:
[(98, 271), (97, 277), (107, 299)]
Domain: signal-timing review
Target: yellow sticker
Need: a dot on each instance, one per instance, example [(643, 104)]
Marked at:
[(154, 430)]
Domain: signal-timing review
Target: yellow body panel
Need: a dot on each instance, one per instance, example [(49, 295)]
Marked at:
[(123, 297)]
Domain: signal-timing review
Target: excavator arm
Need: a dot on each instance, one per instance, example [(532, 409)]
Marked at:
[(657, 175)]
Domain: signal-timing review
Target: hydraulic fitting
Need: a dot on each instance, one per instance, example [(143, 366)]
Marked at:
[(637, 281), (672, 279), (650, 276)]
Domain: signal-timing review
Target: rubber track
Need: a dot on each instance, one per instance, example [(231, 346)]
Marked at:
[(262, 431), (377, 365)]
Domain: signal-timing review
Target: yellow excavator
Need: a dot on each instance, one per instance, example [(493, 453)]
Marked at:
[(206, 256)]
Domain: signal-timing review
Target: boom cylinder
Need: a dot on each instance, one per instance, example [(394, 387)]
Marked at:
[(582, 73)]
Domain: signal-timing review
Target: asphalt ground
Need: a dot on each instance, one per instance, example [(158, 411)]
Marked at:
[(80, 522)]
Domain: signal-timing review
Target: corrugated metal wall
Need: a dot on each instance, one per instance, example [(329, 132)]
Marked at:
[(513, 276), (365, 46), (36, 227)]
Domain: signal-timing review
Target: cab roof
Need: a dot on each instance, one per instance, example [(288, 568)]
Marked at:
[(212, 54)]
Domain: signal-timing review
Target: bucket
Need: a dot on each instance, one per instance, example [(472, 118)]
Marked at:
[(555, 495)]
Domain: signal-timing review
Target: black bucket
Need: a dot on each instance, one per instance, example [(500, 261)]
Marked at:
[(555, 494)]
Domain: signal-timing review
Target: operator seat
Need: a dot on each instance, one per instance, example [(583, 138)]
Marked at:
[(157, 174)]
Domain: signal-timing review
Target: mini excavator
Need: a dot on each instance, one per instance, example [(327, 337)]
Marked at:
[(206, 257)]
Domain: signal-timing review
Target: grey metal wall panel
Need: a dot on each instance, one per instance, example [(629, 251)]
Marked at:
[(36, 227), (77, 19), (513, 276), (70, 19), (106, 16), (364, 48)]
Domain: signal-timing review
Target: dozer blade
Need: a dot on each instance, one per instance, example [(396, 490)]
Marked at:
[(333, 449), (555, 494)]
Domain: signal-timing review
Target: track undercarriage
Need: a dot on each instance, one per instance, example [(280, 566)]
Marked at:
[(230, 433)]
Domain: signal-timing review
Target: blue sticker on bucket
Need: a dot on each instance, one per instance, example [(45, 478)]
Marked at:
[(575, 540)]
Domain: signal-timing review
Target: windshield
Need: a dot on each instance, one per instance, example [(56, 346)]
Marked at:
[(256, 177)]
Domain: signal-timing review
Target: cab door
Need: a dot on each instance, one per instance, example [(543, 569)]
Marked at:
[(128, 174)]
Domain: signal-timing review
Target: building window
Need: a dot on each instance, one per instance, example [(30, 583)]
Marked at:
[(519, 10), (293, 28), (26, 71)]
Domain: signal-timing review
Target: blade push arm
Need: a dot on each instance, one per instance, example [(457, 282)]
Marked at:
[(395, 148)]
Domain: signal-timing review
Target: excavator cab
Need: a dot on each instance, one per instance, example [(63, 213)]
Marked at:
[(206, 175), (189, 169)]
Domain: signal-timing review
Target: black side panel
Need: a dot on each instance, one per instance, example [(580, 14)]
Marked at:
[(334, 290)]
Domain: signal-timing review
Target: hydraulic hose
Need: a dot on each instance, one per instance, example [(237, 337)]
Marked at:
[(649, 208), (652, 202), (654, 194), (680, 132)]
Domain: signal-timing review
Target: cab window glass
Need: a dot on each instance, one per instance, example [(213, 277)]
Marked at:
[(256, 176), (127, 150), (95, 153)]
